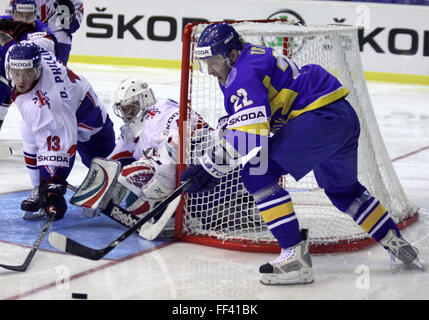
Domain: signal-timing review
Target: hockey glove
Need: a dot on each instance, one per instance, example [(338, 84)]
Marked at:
[(215, 163), (202, 181), (52, 199)]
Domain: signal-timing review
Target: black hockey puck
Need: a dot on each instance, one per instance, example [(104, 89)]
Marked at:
[(79, 295)]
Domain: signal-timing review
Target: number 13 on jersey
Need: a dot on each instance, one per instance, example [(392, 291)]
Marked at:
[(54, 143)]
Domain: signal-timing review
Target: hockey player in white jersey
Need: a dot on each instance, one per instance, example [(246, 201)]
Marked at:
[(61, 114), (147, 146)]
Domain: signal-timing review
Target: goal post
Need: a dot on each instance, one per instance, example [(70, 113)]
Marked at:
[(227, 217)]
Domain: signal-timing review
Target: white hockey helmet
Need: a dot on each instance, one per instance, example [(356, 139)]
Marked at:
[(132, 98)]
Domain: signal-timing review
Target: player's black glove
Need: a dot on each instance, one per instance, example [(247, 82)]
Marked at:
[(202, 181), (52, 199), (16, 28)]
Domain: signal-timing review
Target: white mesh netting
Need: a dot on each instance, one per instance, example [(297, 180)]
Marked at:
[(229, 212)]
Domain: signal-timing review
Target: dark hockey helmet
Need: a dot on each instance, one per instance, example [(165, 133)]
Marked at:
[(217, 39), (24, 55)]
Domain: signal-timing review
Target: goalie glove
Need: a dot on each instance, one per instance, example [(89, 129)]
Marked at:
[(150, 178), (136, 175)]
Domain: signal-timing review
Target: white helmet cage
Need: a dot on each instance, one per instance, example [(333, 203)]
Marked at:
[(133, 92)]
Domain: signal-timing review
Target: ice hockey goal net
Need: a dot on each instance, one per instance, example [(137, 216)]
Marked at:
[(228, 217)]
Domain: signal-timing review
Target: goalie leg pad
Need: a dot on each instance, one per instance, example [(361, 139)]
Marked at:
[(98, 187), (139, 206)]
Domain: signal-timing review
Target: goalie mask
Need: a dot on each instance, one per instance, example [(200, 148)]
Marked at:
[(132, 100)]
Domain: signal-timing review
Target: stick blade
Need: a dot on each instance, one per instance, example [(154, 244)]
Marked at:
[(150, 231), (20, 268), (68, 245), (65, 244), (57, 240)]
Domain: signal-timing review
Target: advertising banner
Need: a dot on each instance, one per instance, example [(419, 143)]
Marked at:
[(393, 38)]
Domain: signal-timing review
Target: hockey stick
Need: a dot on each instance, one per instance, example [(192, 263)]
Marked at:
[(68, 245), (127, 219), (54, 12), (50, 15), (33, 250)]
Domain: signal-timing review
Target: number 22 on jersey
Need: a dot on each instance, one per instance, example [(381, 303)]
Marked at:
[(235, 99)]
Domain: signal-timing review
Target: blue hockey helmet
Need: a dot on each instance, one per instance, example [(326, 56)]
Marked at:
[(24, 10), (22, 56), (217, 39)]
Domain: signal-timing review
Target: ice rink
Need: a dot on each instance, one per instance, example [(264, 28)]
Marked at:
[(182, 271)]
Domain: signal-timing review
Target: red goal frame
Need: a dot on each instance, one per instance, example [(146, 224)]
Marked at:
[(238, 244)]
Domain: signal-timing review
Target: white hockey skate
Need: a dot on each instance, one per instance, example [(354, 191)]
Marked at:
[(399, 248), (293, 266)]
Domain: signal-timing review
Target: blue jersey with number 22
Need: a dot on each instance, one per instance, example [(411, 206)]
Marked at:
[(265, 90)]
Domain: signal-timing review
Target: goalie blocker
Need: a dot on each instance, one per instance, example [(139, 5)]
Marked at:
[(101, 191)]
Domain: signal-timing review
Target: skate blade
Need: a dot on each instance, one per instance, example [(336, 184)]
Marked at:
[(28, 215), (278, 280), (396, 264), (418, 264)]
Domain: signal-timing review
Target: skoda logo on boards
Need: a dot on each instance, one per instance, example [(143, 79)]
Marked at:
[(287, 46)]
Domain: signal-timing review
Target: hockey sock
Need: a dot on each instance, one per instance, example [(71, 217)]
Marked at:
[(373, 218), (277, 210)]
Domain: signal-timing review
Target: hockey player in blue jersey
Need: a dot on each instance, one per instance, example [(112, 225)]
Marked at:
[(300, 119)]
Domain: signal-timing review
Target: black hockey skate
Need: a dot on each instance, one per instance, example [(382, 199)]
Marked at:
[(31, 206)]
